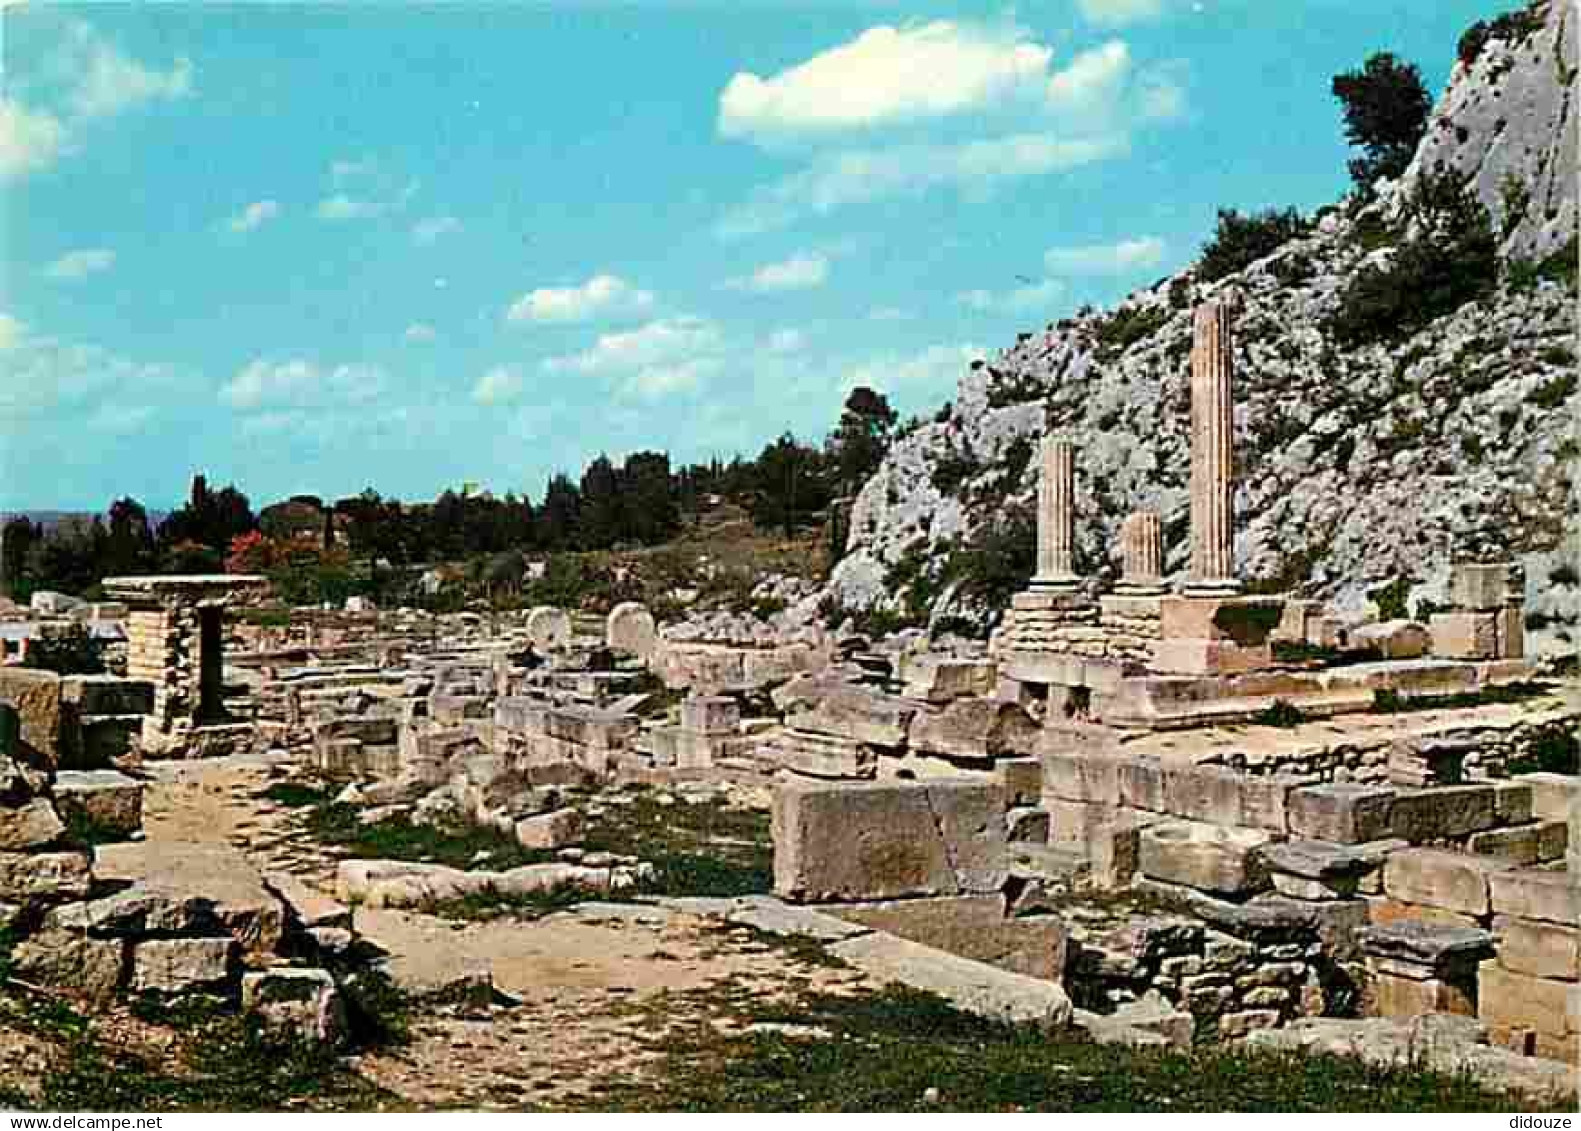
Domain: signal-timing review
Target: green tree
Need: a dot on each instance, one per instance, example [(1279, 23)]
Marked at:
[(601, 518), (648, 490), (1240, 241), (1386, 108), (557, 517), (17, 538), (861, 439), (789, 487), (130, 547)]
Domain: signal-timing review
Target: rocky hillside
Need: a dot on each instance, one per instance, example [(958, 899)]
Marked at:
[(1357, 465)]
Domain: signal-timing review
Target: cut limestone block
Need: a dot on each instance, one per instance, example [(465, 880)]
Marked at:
[(1512, 802), (1541, 950), (1554, 897), (55, 957), (976, 729), (104, 801), (1555, 797), (1383, 911), (303, 1005), (1451, 880), (1341, 812), (1204, 856), (1465, 636), (1441, 812), (550, 830), (181, 965), (862, 841), (35, 877), (30, 825), (1518, 1001), (1534, 843), (1392, 639)]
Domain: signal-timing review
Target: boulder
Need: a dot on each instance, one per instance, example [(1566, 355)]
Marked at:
[(107, 802), (175, 966), (214, 883), (30, 825)]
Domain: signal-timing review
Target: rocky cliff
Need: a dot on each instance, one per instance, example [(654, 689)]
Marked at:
[(1355, 465)]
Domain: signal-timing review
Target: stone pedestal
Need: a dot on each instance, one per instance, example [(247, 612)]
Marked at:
[(1216, 635), (1212, 570)]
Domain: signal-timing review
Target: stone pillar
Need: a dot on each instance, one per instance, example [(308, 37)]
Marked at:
[(1142, 553), (1212, 571), (1056, 503)]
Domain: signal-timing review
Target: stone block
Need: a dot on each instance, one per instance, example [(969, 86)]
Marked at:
[(1114, 852), (975, 730), (1465, 636), (555, 829), (1206, 857), (1510, 1000), (1451, 880), (1090, 777), (1265, 800), (1235, 1025), (1341, 812), (36, 696), (1021, 779), (1475, 587), (710, 714), (1393, 639), (821, 755), (41, 876), (630, 627), (1202, 793), (30, 825), (1525, 893), (107, 695), (1142, 784), (296, 1004), (1077, 823), (859, 714), (1394, 996), (1382, 911), (860, 841), (1509, 633), (1538, 949), (1555, 797), (1442, 812), (107, 802), (939, 679), (54, 957), (1436, 949), (1534, 843), (175, 966), (1512, 802)]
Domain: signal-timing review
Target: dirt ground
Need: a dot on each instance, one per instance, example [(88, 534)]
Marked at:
[(584, 995)]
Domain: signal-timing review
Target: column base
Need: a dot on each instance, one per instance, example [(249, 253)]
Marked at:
[(1213, 587), (1140, 589), (1061, 585)]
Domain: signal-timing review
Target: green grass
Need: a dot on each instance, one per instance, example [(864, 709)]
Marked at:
[(696, 848), (397, 838), (222, 1064), (884, 1052)]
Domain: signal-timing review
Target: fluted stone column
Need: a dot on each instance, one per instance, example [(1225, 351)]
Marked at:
[(1056, 526), (1142, 553), (1212, 570)]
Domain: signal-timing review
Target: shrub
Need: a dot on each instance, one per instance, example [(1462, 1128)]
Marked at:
[(953, 468), (1390, 599), (1552, 394), (1514, 26), (1127, 326), (1279, 713), (1242, 240), (68, 651), (1386, 108), (1449, 261), (1557, 267)]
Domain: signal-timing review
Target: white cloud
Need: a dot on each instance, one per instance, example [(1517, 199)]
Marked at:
[(935, 368), (500, 385), (80, 264), (82, 77), (30, 140), (864, 176), (345, 170), (46, 375), (255, 215), (1118, 13), (430, 230), (655, 381), (1032, 296), (600, 296), (343, 207), (956, 105), (420, 332), (799, 272), (110, 82), (1093, 80), (889, 314), (662, 357), (787, 341), (1106, 259), (884, 76), (264, 383)]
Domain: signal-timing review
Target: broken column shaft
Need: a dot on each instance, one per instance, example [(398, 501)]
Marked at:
[(1212, 568)]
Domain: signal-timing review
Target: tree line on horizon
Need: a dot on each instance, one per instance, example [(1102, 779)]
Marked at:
[(640, 501)]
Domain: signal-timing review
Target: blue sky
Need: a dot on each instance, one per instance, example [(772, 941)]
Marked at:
[(321, 248)]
